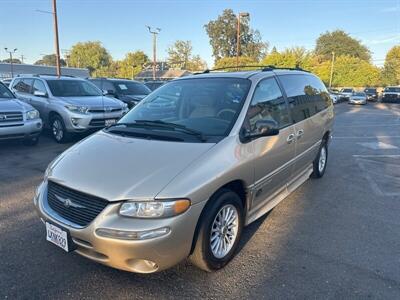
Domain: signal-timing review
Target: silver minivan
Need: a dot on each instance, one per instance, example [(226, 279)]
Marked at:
[(68, 105), (184, 171)]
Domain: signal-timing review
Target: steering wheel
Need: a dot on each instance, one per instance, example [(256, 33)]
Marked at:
[(226, 114)]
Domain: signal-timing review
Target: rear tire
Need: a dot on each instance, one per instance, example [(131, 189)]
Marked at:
[(58, 131), (320, 162), (219, 232)]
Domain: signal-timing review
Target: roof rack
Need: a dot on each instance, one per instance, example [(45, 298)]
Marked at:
[(263, 68), (43, 74)]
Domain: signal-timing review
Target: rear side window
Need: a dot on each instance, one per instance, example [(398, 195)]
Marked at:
[(306, 94), (23, 85), (268, 104)]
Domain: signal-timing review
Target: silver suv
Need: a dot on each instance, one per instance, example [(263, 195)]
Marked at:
[(184, 171), (68, 105), (18, 120)]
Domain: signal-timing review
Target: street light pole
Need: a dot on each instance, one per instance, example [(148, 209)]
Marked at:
[(154, 33), (56, 41), (242, 14), (333, 61), (11, 60)]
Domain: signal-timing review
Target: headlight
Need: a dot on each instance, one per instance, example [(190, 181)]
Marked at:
[(32, 114), (154, 209), (78, 109)]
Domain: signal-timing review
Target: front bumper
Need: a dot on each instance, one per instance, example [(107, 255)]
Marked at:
[(27, 129), (141, 256), (81, 123)]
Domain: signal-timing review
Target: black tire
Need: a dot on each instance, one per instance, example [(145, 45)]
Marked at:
[(202, 255), (318, 172), (58, 131), (31, 141)]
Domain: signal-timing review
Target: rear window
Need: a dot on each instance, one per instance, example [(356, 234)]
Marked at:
[(392, 89), (131, 88)]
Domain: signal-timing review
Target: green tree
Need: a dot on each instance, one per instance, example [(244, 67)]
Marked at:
[(14, 60), (90, 55), (349, 71), (223, 37), (391, 69), (132, 64), (49, 60), (180, 56), (229, 62), (341, 43), (290, 58)]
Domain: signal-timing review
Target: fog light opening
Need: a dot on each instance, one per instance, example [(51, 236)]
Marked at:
[(75, 121), (132, 235)]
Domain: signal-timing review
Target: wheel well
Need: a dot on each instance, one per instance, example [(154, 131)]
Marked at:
[(52, 114), (237, 186), (326, 136)]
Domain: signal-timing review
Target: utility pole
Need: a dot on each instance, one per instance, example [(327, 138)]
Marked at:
[(242, 14), (154, 33), (56, 42), (22, 58), (11, 59), (333, 61)]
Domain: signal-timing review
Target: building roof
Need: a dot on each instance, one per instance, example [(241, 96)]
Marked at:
[(5, 70)]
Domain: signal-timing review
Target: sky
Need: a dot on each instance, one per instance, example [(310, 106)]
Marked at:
[(120, 24)]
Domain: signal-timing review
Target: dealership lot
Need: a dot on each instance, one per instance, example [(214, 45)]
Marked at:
[(338, 237)]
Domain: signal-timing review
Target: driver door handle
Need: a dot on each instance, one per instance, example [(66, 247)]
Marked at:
[(290, 138), (300, 133)]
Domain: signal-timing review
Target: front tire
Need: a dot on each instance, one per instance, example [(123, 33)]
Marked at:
[(58, 130), (219, 232), (320, 162)]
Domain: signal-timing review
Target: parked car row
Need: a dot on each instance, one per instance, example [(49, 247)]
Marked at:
[(390, 94)]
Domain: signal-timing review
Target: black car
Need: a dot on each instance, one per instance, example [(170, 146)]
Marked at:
[(154, 84), (391, 94), (372, 94), (129, 91)]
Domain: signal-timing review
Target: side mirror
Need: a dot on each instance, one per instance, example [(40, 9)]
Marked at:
[(261, 128), (40, 94)]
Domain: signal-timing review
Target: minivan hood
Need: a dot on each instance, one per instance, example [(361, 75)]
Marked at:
[(92, 101), (14, 105), (119, 168)]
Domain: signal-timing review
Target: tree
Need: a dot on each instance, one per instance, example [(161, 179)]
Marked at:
[(290, 58), (391, 69), (341, 43), (223, 37), (49, 60), (229, 62), (90, 55), (180, 56), (14, 61), (132, 64)]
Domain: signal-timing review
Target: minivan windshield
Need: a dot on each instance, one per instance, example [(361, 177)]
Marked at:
[(73, 88), (208, 106), (131, 88), (5, 93)]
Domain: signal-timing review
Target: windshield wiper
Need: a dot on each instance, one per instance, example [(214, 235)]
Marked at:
[(174, 126)]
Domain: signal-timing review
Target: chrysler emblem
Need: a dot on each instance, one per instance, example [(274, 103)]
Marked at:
[(68, 202)]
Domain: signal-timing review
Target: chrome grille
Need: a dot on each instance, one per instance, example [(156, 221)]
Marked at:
[(11, 116), (76, 207), (102, 110)]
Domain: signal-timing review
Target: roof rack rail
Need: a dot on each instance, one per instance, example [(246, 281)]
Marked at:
[(263, 68), (43, 74)]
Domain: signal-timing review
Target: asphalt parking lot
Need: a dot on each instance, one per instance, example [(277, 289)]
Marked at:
[(338, 237)]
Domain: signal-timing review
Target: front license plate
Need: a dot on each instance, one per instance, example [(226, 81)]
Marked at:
[(110, 122), (57, 236)]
